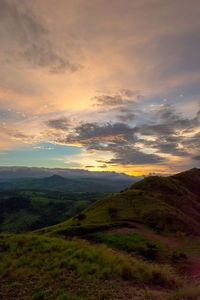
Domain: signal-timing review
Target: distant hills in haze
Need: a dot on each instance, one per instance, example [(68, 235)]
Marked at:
[(59, 183), (34, 172), (16, 178)]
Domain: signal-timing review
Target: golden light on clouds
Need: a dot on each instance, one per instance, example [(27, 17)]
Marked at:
[(114, 84)]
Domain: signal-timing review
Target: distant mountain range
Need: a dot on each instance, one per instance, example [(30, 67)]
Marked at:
[(33, 172), (59, 183)]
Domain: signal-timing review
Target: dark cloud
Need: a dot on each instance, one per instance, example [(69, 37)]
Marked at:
[(192, 142), (127, 113), (27, 35), (94, 134), (167, 115), (123, 97), (170, 132), (157, 129), (170, 148), (117, 138), (109, 100), (166, 123), (197, 157), (127, 117), (58, 124), (131, 156), (167, 133)]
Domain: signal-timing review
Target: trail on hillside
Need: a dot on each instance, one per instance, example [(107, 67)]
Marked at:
[(192, 272), (139, 228)]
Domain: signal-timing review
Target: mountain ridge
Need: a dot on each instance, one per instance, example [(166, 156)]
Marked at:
[(165, 204), (39, 172), (59, 183)]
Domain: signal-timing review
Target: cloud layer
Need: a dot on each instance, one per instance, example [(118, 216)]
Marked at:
[(118, 79)]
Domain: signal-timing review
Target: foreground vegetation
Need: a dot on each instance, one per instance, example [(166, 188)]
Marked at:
[(37, 267)]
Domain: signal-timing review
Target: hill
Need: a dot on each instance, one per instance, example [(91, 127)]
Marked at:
[(59, 183), (165, 204)]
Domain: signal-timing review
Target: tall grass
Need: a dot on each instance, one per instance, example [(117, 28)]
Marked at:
[(46, 262)]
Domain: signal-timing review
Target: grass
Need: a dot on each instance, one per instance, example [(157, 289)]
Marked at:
[(49, 264), (146, 248)]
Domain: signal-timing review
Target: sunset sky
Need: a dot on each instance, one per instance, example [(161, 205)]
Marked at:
[(101, 85)]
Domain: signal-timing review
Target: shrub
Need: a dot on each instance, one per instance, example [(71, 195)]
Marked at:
[(39, 295)]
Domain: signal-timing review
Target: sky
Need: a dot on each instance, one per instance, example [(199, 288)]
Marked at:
[(100, 85)]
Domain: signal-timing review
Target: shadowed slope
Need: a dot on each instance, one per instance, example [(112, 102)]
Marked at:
[(165, 204)]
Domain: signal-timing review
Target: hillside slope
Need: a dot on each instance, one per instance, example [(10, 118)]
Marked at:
[(165, 204)]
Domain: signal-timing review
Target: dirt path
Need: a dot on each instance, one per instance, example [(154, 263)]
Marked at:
[(146, 232), (193, 271)]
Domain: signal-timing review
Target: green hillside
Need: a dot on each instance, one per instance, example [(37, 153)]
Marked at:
[(165, 204), (26, 210)]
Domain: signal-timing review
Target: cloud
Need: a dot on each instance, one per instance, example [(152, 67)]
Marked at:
[(166, 122), (58, 124), (130, 156), (44, 56), (117, 138), (129, 116), (165, 133), (173, 133), (197, 157), (193, 142), (94, 135), (22, 31), (155, 53), (122, 97), (170, 148), (17, 135)]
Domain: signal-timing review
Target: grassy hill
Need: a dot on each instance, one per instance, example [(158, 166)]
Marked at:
[(165, 204), (143, 243)]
